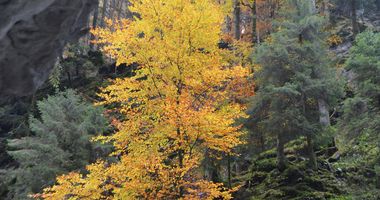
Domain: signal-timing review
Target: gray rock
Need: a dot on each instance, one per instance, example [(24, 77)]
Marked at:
[(32, 35)]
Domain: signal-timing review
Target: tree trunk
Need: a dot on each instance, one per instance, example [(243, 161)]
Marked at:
[(180, 163), (313, 7), (94, 25), (33, 104), (324, 115), (113, 11), (69, 77), (104, 12), (281, 159), (312, 156), (237, 19), (120, 9), (355, 25), (262, 143), (254, 22), (229, 170), (326, 9), (228, 28)]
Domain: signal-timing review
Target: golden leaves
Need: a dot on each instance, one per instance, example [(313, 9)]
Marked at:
[(182, 100)]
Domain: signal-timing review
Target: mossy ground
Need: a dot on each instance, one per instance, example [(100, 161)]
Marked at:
[(298, 182)]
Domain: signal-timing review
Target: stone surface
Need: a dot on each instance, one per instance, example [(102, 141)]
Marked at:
[(32, 35)]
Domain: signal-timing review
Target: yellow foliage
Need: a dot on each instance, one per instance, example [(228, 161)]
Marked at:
[(334, 40), (182, 100)]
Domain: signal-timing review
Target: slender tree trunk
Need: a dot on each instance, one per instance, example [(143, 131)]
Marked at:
[(94, 25), (254, 23), (355, 24), (310, 149), (309, 140), (281, 159), (326, 9), (69, 77), (180, 161), (229, 170), (210, 169), (262, 143), (113, 10), (237, 168), (324, 115), (258, 36), (104, 12), (32, 104), (120, 9), (237, 13), (228, 27), (313, 7), (181, 152)]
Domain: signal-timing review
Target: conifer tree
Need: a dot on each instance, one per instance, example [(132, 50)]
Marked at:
[(60, 142), (294, 74), (360, 122)]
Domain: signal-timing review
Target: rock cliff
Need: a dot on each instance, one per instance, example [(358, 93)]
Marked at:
[(32, 35)]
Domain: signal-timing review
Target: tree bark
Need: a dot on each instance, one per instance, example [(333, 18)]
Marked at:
[(326, 9), (312, 156), (104, 12), (281, 159), (229, 170), (113, 11), (94, 25), (324, 115), (254, 23), (237, 13), (355, 25), (313, 7), (120, 9), (228, 27), (262, 143)]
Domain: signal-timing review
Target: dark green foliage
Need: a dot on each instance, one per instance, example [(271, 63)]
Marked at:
[(77, 62), (364, 61), (360, 123), (295, 75), (60, 143)]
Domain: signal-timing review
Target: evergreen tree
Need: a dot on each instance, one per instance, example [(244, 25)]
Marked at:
[(293, 77), (364, 62), (360, 123), (61, 142)]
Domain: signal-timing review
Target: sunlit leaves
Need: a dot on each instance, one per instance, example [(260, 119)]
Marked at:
[(182, 100)]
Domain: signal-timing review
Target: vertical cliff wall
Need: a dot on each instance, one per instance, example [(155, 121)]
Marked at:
[(32, 35)]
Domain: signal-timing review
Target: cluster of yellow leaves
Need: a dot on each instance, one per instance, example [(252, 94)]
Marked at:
[(334, 40), (182, 101)]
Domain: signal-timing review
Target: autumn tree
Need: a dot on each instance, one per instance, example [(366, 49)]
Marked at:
[(181, 103)]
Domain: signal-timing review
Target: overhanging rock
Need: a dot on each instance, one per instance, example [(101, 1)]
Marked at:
[(32, 36)]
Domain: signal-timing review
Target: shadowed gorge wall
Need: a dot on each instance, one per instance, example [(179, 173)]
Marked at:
[(32, 35)]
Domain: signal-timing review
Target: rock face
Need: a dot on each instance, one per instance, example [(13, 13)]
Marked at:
[(32, 35)]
